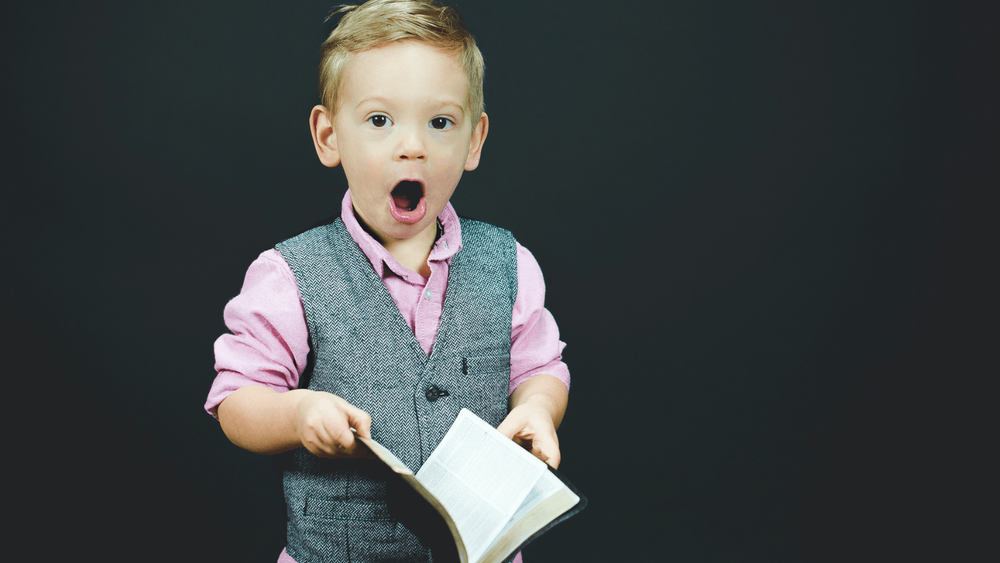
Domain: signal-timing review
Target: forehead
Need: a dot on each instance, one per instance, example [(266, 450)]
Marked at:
[(404, 71)]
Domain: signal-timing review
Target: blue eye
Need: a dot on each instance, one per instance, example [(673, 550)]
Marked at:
[(442, 123), (379, 121)]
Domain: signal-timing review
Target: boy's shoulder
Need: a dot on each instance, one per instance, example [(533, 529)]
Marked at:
[(312, 244), (476, 228), (314, 229)]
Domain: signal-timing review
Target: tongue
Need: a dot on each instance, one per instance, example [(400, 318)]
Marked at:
[(400, 209), (404, 201)]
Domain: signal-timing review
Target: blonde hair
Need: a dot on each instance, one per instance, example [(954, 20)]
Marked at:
[(378, 22)]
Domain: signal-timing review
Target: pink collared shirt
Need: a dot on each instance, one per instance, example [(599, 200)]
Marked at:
[(270, 340)]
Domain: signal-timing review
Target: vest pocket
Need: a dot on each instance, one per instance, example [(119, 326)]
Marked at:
[(475, 365), (346, 510), (485, 382), (363, 531)]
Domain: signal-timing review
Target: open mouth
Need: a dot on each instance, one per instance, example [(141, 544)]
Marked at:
[(407, 194), (407, 203)]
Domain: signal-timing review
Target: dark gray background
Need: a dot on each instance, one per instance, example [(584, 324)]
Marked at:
[(764, 229)]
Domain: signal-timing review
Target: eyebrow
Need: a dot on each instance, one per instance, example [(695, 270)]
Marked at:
[(460, 107), (380, 99), (371, 99)]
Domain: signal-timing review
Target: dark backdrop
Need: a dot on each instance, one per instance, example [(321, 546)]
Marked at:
[(763, 226)]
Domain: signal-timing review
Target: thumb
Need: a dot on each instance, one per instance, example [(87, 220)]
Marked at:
[(546, 448), (359, 420)]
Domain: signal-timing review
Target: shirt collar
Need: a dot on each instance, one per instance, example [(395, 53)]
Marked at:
[(445, 247)]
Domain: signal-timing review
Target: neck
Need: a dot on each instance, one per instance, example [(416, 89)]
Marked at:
[(411, 253)]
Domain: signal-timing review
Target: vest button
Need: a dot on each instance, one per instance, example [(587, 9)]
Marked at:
[(434, 393)]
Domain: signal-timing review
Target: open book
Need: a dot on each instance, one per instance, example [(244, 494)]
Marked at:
[(493, 495)]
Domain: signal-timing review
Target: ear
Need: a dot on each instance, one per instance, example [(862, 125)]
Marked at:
[(476, 142), (324, 136)]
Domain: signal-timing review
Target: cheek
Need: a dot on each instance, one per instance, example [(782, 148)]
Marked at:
[(447, 181), (454, 155), (361, 167), (450, 166)]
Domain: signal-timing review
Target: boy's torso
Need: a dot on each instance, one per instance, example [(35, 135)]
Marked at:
[(363, 351)]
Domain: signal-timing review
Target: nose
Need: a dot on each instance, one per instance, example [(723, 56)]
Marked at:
[(411, 146)]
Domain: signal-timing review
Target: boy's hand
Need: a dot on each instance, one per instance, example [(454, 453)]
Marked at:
[(264, 421), (537, 407), (531, 426), (323, 424)]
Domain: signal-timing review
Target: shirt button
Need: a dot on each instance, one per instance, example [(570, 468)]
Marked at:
[(428, 294), (445, 243)]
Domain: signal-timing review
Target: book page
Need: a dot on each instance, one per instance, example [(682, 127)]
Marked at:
[(547, 486), (481, 477), (406, 474), (549, 499)]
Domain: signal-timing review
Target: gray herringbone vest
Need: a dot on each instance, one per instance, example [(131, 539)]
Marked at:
[(362, 350)]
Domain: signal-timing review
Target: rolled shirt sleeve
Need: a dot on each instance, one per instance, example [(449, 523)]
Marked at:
[(535, 346), (269, 340)]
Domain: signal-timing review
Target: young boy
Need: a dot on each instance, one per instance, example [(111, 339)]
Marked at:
[(397, 314)]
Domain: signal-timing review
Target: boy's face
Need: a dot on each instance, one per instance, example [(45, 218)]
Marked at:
[(403, 134)]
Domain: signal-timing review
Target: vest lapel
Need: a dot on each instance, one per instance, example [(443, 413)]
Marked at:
[(372, 290), (454, 294)]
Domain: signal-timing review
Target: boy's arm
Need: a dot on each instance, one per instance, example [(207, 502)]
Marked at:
[(264, 353), (539, 378), (537, 407), (261, 420)]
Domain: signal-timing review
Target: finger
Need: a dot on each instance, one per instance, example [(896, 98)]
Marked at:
[(554, 460), (324, 442), (318, 443), (546, 448), (359, 420), (511, 425), (339, 431), (314, 435)]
